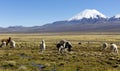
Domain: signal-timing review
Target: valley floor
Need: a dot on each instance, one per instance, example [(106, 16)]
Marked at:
[(86, 56)]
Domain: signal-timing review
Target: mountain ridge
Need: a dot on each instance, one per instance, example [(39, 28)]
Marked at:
[(94, 21)]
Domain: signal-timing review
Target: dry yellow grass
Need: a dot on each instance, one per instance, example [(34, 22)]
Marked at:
[(82, 57)]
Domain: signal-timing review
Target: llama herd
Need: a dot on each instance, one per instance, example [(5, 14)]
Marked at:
[(61, 45), (113, 47), (9, 41)]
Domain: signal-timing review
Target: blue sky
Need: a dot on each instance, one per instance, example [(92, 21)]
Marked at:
[(39, 12)]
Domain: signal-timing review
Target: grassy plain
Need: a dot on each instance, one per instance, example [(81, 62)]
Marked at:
[(84, 57)]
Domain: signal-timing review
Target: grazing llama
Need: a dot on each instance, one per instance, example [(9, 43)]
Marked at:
[(62, 45), (5, 42), (113, 48), (105, 46)]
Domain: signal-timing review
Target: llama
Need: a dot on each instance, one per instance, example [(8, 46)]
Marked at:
[(113, 48), (5, 42), (42, 46), (62, 45), (105, 46), (12, 44)]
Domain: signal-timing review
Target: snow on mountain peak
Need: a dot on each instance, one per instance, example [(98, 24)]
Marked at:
[(117, 16), (88, 13)]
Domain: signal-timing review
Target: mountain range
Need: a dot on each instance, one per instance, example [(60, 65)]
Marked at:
[(89, 20)]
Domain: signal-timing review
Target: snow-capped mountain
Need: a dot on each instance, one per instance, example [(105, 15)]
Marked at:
[(88, 13), (117, 16), (89, 20)]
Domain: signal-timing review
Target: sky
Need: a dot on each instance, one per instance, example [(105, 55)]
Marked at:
[(39, 12)]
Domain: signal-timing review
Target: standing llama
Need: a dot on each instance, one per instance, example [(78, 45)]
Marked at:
[(42, 46)]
